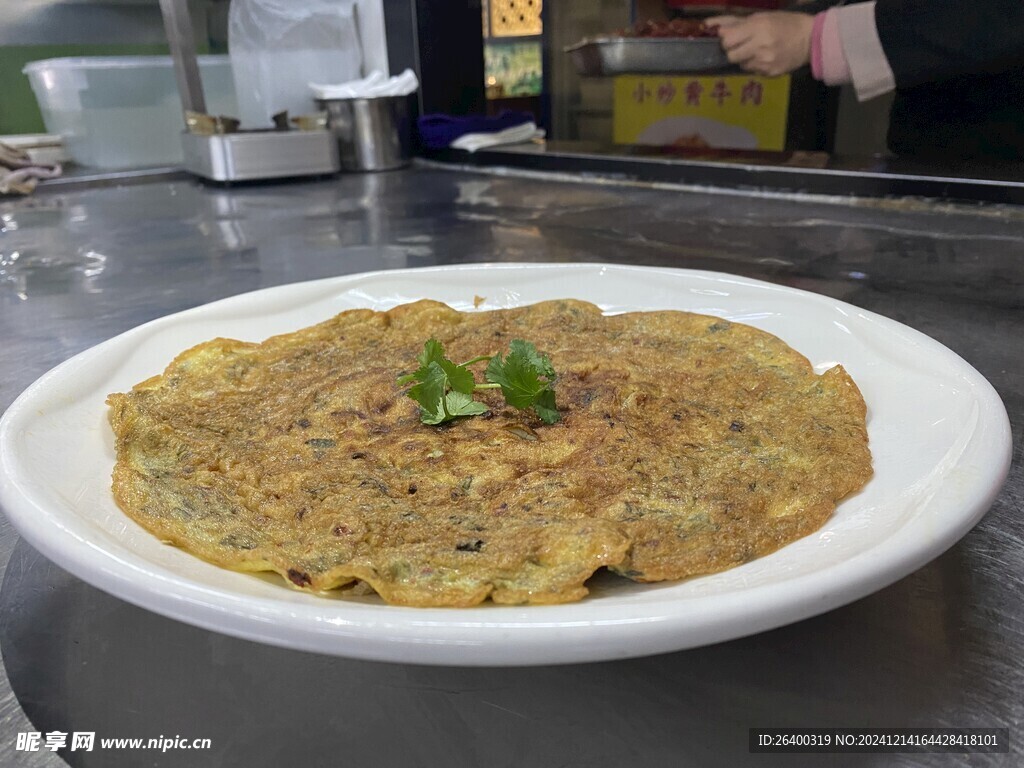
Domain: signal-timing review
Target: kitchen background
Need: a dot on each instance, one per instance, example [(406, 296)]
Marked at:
[(41, 29), (524, 67)]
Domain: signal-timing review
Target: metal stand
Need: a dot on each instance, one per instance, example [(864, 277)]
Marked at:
[(245, 155)]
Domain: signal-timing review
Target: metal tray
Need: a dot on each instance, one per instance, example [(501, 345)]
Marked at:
[(600, 56), (249, 155)]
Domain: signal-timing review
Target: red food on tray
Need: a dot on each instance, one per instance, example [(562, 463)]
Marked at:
[(674, 28)]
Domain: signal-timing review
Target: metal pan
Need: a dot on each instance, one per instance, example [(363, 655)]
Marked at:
[(601, 56)]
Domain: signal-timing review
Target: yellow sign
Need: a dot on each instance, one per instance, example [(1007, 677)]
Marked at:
[(727, 111)]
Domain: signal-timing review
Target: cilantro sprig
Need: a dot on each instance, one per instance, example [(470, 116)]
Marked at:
[(525, 378), (444, 389)]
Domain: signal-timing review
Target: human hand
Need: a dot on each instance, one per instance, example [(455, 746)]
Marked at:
[(771, 43)]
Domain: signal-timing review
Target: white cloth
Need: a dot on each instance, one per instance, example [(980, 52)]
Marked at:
[(19, 174), (517, 134), (372, 86)]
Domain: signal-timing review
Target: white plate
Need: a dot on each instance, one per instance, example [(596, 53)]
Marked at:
[(939, 436)]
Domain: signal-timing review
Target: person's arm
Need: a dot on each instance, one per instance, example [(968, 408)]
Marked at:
[(880, 46), (771, 43), (841, 44)]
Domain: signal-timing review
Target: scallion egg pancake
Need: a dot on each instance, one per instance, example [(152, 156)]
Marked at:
[(687, 445)]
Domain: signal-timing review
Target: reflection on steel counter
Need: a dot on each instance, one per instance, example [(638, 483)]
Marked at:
[(936, 648)]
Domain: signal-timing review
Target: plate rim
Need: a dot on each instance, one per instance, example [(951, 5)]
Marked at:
[(428, 640)]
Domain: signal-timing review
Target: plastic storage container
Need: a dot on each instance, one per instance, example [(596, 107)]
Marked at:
[(123, 111), (279, 47)]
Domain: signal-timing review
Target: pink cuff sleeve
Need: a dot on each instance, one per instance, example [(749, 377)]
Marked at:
[(828, 61), (819, 22)]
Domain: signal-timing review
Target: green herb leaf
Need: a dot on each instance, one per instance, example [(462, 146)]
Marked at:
[(545, 407), (520, 377), (462, 404), (517, 378), (444, 390), (433, 352), (541, 363), (429, 393), (460, 378), (409, 378)]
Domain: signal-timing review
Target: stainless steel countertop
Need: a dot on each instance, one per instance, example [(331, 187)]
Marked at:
[(942, 646)]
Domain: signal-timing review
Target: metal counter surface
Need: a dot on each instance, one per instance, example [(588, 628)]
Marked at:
[(942, 646)]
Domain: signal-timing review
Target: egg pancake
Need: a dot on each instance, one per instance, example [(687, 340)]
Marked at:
[(687, 445)]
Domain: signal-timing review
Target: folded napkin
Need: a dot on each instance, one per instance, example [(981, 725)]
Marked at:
[(471, 142), (19, 174), (374, 85), (439, 131)]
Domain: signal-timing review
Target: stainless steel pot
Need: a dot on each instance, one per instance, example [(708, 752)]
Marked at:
[(373, 134)]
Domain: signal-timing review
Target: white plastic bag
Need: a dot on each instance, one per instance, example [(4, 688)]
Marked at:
[(278, 47)]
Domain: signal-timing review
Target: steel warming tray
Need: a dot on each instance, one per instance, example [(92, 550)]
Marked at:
[(599, 56)]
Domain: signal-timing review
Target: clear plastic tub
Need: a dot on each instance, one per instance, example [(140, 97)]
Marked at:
[(118, 112)]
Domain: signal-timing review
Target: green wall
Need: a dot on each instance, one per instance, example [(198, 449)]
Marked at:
[(18, 110)]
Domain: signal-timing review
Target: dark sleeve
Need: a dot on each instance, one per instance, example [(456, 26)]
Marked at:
[(816, 6), (932, 40)]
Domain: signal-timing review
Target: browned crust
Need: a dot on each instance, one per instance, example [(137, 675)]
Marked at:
[(688, 445)]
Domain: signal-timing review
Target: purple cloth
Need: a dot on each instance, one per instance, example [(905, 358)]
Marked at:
[(438, 131)]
